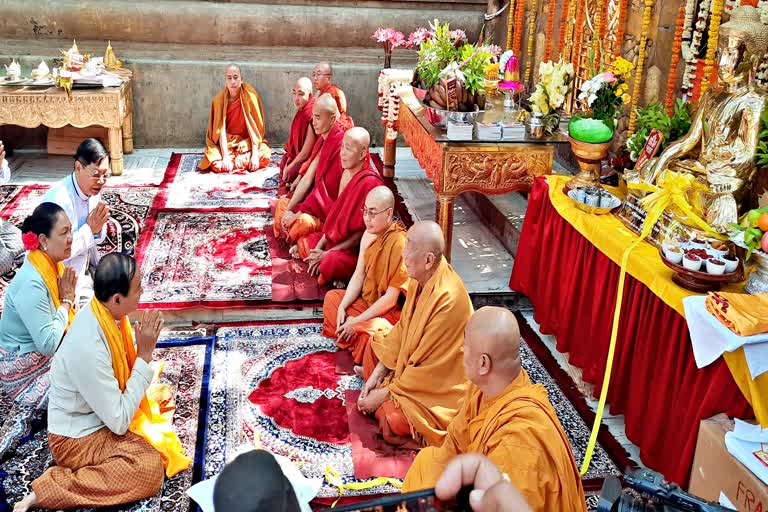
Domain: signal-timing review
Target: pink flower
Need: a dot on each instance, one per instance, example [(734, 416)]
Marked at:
[(494, 49), (459, 34), (417, 37), (30, 240), (389, 37), (609, 77)]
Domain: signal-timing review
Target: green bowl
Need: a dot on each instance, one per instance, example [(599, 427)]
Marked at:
[(587, 129)]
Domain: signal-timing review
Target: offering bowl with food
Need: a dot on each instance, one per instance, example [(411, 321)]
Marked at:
[(701, 265)]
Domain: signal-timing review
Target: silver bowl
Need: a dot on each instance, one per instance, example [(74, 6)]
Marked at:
[(439, 118), (607, 202)]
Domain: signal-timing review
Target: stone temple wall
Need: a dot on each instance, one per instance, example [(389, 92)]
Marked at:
[(177, 50)]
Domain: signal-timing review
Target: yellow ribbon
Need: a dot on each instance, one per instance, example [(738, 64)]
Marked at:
[(332, 477), (671, 190)]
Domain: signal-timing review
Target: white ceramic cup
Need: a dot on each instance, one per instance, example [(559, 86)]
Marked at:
[(731, 265), (694, 265), (715, 269)]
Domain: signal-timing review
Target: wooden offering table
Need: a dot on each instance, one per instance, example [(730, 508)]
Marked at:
[(456, 166), (110, 107)]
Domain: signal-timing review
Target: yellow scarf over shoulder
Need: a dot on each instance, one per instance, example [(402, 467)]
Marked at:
[(148, 422), (50, 272)]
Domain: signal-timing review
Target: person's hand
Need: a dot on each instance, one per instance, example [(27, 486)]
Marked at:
[(346, 331), (288, 171), (67, 284), (147, 333), (372, 400), (314, 259), (341, 317), (2, 153), (295, 184), (227, 164), (287, 220), (255, 162), (491, 492), (98, 217)]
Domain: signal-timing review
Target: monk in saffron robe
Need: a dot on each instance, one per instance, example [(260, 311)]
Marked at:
[(322, 80), (415, 388), (235, 137), (301, 138), (332, 250), (370, 302), (508, 419), (308, 205)]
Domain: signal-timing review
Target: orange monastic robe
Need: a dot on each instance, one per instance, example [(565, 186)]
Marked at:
[(345, 120), (300, 126), (384, 268), (245, 130), (424, 352), (519, 431)]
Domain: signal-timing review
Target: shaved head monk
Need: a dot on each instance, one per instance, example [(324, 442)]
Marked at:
[(370, 302), (318, 186), (331, 247), (235, 137), (322, 80), (508, 419), (415, 388), (301, 138)]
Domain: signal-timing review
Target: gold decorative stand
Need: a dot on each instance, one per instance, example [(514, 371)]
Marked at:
[(589, 156)]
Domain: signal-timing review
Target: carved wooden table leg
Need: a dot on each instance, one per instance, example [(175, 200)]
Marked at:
[(128, 134), (390, 156), (116, 150), (444, 217)]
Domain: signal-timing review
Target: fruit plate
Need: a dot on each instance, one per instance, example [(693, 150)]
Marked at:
[(701, 282)]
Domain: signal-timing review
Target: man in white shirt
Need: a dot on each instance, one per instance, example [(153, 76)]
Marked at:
[(99, 463), (11, 246), (79, 194)]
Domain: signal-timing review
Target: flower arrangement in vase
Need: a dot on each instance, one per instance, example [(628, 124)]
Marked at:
[(550, 92), (389, 39)]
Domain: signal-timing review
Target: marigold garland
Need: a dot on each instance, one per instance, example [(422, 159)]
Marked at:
[(640, 64), (577, 35), (519, 15), (550, 28), (714, 35), (564, 22), (676, 46), (620, 29), (510, 23), (531, 34), (601, 14)]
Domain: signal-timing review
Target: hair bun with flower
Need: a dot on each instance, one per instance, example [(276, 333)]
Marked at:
[(30, 240)]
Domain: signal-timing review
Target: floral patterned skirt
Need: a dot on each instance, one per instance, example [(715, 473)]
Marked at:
[(24, 378)]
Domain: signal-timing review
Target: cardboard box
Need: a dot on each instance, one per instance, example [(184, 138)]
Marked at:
[(715, 470)]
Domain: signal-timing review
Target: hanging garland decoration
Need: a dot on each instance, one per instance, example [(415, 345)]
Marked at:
[(691, 50), (676, 45), (578, 34), (531, 34), (600, 25), (550, 28), (510, 23), (762, 7), (565, 22), (617, 50), (730, 5), (519, 14), (714, 35), (640, 65)]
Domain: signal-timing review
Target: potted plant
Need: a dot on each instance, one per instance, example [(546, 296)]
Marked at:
[(550, 92), (590, 133), (655, 116)]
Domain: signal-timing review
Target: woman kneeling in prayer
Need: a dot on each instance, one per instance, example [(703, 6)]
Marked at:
[(39, 307)]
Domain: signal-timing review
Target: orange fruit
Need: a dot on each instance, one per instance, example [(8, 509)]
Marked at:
[(762, 222)]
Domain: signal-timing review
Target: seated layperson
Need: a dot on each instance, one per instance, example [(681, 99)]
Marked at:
[(107, 439), (322, 80), (235, 139), (318, 188), (39, 306), (302, 137), (79, 194), (370, 302), (11, 246), (331, 246), (417, 385), (507, 418)]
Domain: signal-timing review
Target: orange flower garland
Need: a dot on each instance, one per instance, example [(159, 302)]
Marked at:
[(510, 23), (529, 47), (564, 22), (676, 47), (519, 14), (640, 64), (714, 35), (597, 43), (620, 28), (577, 35), (550, 28)]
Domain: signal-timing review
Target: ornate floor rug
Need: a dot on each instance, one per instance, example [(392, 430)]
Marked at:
[(129, 210), (187, 358), (186, 188), (206, 259)]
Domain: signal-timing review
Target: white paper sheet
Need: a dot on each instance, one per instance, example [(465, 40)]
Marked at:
[(725, 502), (743, 442)]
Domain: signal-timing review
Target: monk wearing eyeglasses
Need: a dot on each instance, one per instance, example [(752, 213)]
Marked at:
[(322, 80), (370, 302), (235, 139)]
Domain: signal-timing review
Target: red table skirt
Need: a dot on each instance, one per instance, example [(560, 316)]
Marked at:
[(655, 382)]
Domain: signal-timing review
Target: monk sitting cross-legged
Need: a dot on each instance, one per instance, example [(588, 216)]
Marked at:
[(235, 137), (332, 250), (318, 188), (415, 388), (322, 80), (370, 301), (508, 419), (301, 138)]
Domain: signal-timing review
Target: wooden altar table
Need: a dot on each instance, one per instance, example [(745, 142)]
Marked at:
[(110, 107), (456, 166)]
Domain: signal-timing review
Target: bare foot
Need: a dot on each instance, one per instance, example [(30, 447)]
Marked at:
[(29, 501), (359, 371), (294, 251), (339, 285)]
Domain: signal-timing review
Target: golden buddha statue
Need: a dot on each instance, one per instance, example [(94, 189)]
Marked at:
[(720, 146)]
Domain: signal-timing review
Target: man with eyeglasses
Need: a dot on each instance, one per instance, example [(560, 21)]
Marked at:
[(322, 80), (79, 194)]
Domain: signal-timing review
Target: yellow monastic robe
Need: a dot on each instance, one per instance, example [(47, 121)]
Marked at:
[(424, 350), (519, 431)]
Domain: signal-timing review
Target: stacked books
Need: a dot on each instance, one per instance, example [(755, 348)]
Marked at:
[(513, 131), (459, 131), (489, 131)]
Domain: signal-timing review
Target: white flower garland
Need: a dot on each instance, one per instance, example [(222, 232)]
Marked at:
[(729, 6), (390, 81), (762, 6), (691, 51)]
